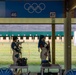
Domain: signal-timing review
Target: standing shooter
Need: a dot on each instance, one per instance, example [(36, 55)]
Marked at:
[(44, 48), (16, 50)]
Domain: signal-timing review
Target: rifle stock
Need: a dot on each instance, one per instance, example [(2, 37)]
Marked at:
[(49, 53)]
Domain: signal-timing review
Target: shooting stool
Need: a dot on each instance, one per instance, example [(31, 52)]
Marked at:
[(19, 67), (52, 66)]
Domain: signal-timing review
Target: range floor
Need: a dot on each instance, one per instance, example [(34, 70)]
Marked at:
[(35, 70)]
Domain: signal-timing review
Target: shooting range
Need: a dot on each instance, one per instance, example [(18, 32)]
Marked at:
[(28, 19)]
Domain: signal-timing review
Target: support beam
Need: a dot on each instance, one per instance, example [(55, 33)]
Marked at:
[(53, 43), (67, 42)]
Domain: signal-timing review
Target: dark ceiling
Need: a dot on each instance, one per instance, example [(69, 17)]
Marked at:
[(70, 4)]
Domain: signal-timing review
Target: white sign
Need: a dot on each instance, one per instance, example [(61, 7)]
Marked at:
[(52, 14), (13, 14)]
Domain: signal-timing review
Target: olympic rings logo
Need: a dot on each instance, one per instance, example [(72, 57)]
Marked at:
[(37, 8)]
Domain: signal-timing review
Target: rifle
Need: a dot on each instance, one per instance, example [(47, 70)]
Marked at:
[(49, 53), (19, 47)]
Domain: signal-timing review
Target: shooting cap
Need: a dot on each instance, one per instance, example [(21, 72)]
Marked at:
[(15, 38), (42, 36)]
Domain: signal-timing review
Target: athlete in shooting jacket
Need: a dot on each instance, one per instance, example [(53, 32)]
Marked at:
[(15, 49), (44, 48)]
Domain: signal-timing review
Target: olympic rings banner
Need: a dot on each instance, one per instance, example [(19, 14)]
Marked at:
[(34, 9)]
